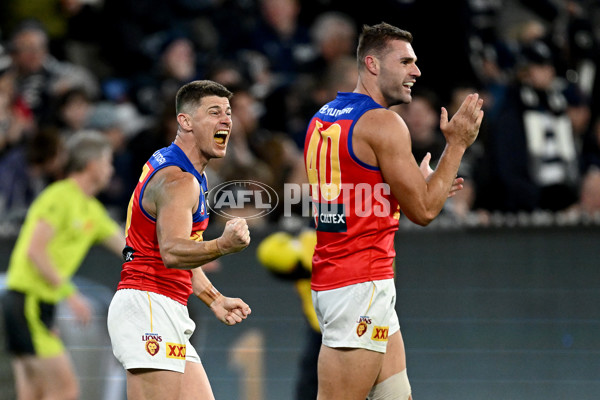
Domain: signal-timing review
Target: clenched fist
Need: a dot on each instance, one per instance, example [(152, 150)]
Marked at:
[(235, 237)]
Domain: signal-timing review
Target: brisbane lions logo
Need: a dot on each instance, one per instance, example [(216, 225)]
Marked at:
[(361, 328), (152, 347)]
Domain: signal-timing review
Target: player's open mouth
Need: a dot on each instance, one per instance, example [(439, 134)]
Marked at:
[(221, 137), (409, 85)]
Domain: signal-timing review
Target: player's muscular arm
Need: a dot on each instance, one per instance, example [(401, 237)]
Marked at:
[(172, 197), (386, 134), (388, 137)]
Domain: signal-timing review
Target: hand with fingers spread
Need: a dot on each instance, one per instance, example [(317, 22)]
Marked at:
[(463, 128), (235, 237)]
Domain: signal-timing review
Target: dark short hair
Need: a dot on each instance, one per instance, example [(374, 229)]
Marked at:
[(374, 39), (190, 95), (27, 25)]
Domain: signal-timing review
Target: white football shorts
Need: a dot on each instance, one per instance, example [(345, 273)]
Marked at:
[(358, 316), (149, 330)]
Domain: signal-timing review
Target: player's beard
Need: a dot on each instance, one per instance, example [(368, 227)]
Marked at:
[(393, 90)]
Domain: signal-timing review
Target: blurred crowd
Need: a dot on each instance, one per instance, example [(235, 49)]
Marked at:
[(114, 66)]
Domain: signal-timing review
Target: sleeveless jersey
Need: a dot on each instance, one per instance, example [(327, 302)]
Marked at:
[(356, 216), (143, 268)]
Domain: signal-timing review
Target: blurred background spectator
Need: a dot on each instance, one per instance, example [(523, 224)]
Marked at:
[(71, 111), (16, 119), (39, 76), (175, 66), (533, 149), (26, 169), (62, 69), (114, 66)]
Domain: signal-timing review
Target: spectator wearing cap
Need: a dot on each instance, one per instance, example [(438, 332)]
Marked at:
[(532, 150)]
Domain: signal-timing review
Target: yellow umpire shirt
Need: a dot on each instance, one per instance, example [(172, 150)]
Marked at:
[(79, 222)]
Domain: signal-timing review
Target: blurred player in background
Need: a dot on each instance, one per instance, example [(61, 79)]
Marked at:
[(61, 225), (289, 257)]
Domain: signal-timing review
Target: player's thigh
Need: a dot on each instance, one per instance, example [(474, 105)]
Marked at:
[(195, 383), (153, 384), (394, 360), (347, 374)]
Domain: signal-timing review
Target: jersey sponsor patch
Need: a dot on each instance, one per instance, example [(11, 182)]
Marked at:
[(330, 217), (176, 350), (160, 159), (380, 333)]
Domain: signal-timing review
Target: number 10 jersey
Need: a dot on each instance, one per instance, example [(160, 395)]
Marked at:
[(355, 214)]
